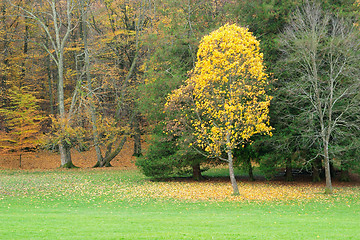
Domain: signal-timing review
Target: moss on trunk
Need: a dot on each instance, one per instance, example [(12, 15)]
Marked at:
[(68, 165)]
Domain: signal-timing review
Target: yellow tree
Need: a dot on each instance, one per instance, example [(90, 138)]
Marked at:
[(228, 102), (23, 121)]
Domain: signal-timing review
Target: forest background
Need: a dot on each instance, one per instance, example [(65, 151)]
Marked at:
[(80, 74)]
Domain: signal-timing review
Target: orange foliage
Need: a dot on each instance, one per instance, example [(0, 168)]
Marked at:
[(22, 118)]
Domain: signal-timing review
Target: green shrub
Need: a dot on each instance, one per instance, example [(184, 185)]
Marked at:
[(159, 160)]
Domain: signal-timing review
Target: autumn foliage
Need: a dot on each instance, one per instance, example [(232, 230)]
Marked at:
[(22, 121), (224, 100), (105, 69)]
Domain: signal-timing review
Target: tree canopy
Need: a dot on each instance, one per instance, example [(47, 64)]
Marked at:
[(225, 94)]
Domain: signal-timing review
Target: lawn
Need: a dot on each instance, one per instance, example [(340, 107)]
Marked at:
[(118, 204)]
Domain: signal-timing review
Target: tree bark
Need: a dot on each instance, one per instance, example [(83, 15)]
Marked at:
[(65, 156), (25, 51), (105, 162), (137, 145), (137, 137), (50, 85), (196, 172), (328, 188), (250, 169), (5, 53), (110, 155), (232, 174), (89, 84)]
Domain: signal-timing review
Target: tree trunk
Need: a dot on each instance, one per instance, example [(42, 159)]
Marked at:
[(25, 51), (289, 175), (196, 172), (5, 53), (137, 145), (50, 85), (58, 39), (250, 169), (105, 162), (137, 137), (232, 174), (89, 83), (65, 156), (108, 149), (328, 188)]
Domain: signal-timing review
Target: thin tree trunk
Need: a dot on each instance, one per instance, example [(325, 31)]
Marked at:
[(328, 188), (25, 51), (65, 157), (5, 53), (250, 169), (65, 154), (106, 161), (58, 42), (137, 137), (231, 168), (109, 153), (137, 145), (89, 83), (232, 175), (50, 85)]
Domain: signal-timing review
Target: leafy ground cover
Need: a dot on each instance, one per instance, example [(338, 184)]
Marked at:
[(119, 204), (46, 160)]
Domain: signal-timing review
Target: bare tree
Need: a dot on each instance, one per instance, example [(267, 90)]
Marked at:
[(323, 53), (135, 16), (58, 34)]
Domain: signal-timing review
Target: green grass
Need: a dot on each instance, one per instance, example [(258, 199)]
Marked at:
[(89, 204)]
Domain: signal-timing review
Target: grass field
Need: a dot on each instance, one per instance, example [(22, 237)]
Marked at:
[(118, 204)]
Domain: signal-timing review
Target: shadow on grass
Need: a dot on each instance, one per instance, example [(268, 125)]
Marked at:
[(299, 178)]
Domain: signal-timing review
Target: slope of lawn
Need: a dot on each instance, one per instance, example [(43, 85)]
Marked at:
[(118, 204)]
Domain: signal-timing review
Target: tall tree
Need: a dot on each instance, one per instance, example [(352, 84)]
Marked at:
[(322, 51), (116, 58), (265, 19), (84, 5), (226, 91), (58, 34), (172, 46)]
